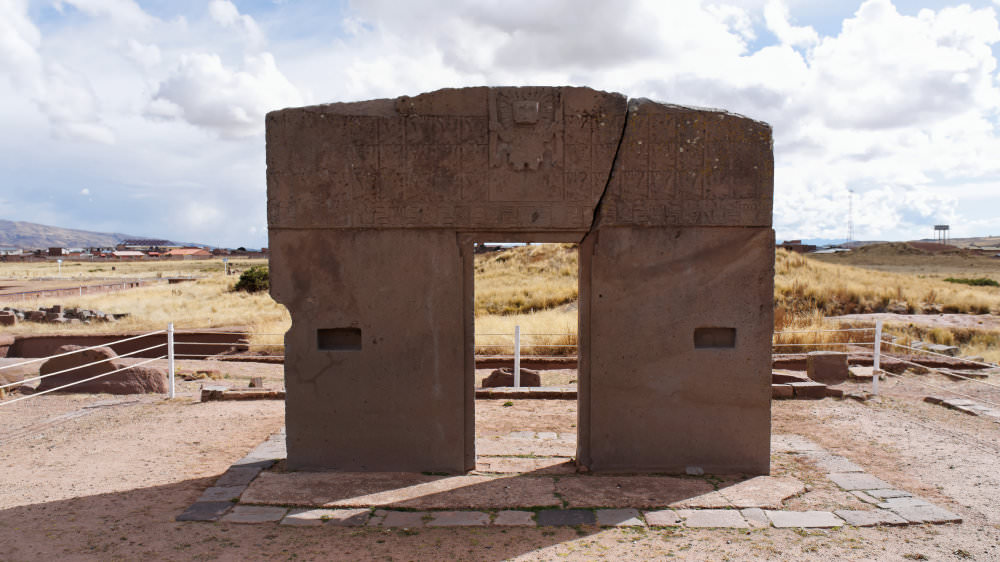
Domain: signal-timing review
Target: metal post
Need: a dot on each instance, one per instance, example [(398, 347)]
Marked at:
[(517, 356), (878, 353), (170, 355)]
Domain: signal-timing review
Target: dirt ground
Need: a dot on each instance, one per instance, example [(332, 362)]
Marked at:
[(102, 478)]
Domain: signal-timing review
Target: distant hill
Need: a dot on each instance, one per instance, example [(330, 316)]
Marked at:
[(29, 235)]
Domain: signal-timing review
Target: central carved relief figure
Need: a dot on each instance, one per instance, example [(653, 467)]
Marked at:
[(373, 209)]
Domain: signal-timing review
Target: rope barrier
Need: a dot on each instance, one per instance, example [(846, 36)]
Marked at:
[(988, 365), (82, 350), (40, 377), (4, 403)]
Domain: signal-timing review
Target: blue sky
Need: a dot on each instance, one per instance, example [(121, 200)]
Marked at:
[(147, 117)]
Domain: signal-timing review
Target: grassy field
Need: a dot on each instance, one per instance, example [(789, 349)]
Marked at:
[(536, 287)]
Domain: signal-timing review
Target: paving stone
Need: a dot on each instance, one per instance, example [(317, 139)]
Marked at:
[(547, 435), (237, 476), (713, 518), (536, 466), (755, 517), (711, 500), (874, 518), (619, 518), (335, 517), (834, 463), (803, 519), (926, 513), (459, 519), (514, 518), (662, 518), (763, 491), (254, 462), (863, 496), (888, 494), (405, 519), (255, 514), (221, 493), (904, 501), (205, 511), (567, 517), (857, 481)]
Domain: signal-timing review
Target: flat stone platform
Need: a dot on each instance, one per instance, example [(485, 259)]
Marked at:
[(537, 489)]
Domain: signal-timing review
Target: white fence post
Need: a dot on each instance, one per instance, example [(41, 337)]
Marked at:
[(517, 356), (170, 356), (878, 353)]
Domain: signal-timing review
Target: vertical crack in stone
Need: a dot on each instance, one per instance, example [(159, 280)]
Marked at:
[(611, 173)]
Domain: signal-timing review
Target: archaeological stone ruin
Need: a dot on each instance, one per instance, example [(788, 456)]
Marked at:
[(374, 208)]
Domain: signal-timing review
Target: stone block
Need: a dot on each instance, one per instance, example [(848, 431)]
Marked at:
[(459, 519), (755, 517), (78, 367), (222, 493), (8, 319), (713, 518), (804, 519), (809, 390), (335, 517), (926, 513), (781, 392), (888, 494), (514, 518), (662, 518), (237, 476), (873, 518), (505, 378), (619, 518), (834, 463), (255, 514), (948, 350), (407, 519), (828, 367), (785, 377), (763, 491), (205, 511), (565, 517)]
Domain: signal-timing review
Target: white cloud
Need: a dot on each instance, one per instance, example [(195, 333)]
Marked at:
[(226, 14), (85, 191), (232, 102), (123, 12), (776, 16), (147, 56)]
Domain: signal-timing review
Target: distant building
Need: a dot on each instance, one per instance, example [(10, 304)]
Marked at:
[(128, 254), (797, 246), (57, 251), (146, 245), (10, 251), (189, 253)]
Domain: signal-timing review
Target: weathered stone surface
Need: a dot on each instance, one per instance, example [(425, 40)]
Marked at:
[(814, 390), (221, 493), (713, 518), (781, 391), (756, 517), (763, 491), (205, 511), (714, 399), (803, 519), (834, 463), (237, 476), (505, 377), (857, 481), (711, 500), (407, 519), (619, 518), (335, 517), (514, 518), (565, 517), (662, 518), (517, 465), (459, 519), (888, 494), (628, 491), (926, 514), (407, 185), (254, 514), (131, 380), (873, 518), (782, 376), (828, 367)]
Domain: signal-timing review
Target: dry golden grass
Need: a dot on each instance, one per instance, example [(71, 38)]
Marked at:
[(536, 287)]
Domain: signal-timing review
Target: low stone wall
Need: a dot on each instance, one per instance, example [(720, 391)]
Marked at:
[(187, 345)]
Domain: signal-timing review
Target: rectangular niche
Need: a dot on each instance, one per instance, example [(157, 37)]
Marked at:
[(338, 339), (714, 338)]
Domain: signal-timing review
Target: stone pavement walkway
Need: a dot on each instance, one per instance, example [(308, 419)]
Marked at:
[(511, 491)]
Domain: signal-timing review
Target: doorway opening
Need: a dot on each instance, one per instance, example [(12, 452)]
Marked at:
[(526, 314)]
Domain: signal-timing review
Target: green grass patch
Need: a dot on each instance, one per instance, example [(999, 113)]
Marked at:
[(977, 282)]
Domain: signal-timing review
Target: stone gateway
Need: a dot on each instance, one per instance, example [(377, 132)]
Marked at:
[(373, 211)]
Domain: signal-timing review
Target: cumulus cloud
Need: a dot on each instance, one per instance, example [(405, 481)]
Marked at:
[(123, 12), (776, 16), (63, 95), (202, 91), (227, 15)]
